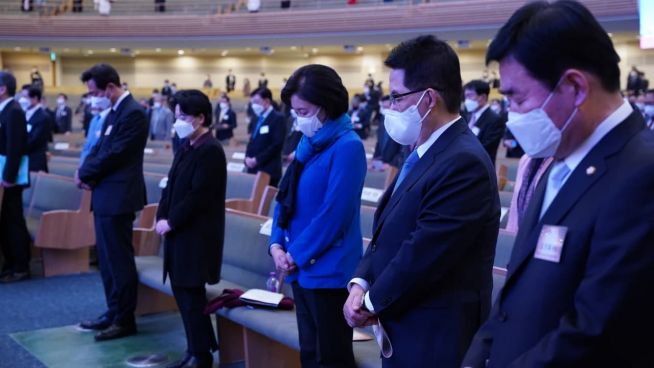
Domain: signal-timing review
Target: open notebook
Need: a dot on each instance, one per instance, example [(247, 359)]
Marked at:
[(262, 297)]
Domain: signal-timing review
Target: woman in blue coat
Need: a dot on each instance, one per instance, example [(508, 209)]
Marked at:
[(316, 237)]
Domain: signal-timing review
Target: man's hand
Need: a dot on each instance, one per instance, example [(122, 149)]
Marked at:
[(352, 310), (79, 183), (162, 227), (251, 162)]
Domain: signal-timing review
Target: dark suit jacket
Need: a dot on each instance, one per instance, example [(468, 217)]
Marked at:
[(594, 307), (13, 139), (267, 148), (430, 259), (364, 114), (491, 129), (229, 119), (386, 149), (38, 138), (193, 202), (114, 167), (64, 122)]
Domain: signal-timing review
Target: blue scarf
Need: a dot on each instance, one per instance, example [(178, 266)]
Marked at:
[(306, 150)]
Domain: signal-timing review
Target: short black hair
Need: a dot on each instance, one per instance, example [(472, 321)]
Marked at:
[(33, 92), (548, 39), (319, 85), (102, 75), (25, 86), (63, 95), (8, 80), (195, 103), (479, 86), (156, 90), (262, 92), (429, 63)]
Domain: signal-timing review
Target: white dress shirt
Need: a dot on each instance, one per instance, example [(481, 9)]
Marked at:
[(574, 159), (120, 99)]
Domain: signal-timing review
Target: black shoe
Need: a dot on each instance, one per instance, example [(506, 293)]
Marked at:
[(98, 324), (180, 363), (115, 332), (14, 277), (5, 273), (204, 361)]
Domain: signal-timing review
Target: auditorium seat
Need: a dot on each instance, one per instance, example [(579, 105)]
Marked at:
[(244, 332), (503, 248), (505, 199), (240, 198), (63, 169), (367, 215), (61, 224)]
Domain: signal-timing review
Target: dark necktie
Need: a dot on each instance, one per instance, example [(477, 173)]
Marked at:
[(406, 168)]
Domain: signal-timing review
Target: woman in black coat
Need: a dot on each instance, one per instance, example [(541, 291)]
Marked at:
[(191, 216)]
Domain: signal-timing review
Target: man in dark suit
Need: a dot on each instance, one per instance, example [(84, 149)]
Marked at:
[(360, 115), (425, 279), (38, 129), (263, 81), (230, 81), (485, 123), (114, 171), (578, 292), (63, 115), (14, 237), (264, 149)]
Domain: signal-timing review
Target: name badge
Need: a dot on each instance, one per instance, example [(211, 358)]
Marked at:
[(29, 128), (264, 129), (108, 131), (550, 243), (475, 130)]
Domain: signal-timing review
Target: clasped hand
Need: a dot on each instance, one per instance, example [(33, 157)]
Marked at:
[(355, 314)]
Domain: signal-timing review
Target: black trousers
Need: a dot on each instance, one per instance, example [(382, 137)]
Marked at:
[(113, 235), (200, 337), (325, 337), (14, 237)]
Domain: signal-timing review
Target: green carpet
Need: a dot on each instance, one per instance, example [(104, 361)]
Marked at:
[(71, 348)]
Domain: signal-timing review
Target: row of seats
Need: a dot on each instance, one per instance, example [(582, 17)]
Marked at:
[(244, 333)]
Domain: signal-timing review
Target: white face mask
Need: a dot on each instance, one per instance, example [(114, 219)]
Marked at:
[(100, 103), (61, 101), (496, 109), (649, 111), (536, 132), (183, 128), (471, 105), (404, 126), (24, 103), (382, 110), (224, 106), (156, 105), (309, 125), (257, 108)]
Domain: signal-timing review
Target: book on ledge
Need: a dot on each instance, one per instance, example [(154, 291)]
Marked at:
[(262, 298)]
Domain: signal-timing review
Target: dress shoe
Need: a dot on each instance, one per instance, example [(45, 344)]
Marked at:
[(97, 324), (14, 277), (204, 361), (115, 332), (5, 273), (180, 363)]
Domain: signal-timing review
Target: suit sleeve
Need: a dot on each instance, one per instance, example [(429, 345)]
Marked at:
[(479, 349), (614, 297), (129, 140), (232, 120), (69, 119), (16, 129), (40, 133), (451, 212), (211, 167), (345, 184), (273, 151)]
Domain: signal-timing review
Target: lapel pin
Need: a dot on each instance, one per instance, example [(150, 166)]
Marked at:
[(590, 170)]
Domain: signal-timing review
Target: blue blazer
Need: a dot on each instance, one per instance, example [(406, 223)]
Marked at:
[(324, 235), (429, 263), (595, 308)]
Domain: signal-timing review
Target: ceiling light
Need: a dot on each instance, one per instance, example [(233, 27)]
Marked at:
[(17, 48), (113, 49), (293, 48), (314, 50), (157, 49), (180, 52), (224, 53), (359, 49)]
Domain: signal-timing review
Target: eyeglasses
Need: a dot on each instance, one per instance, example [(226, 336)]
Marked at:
[(397, 97)]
